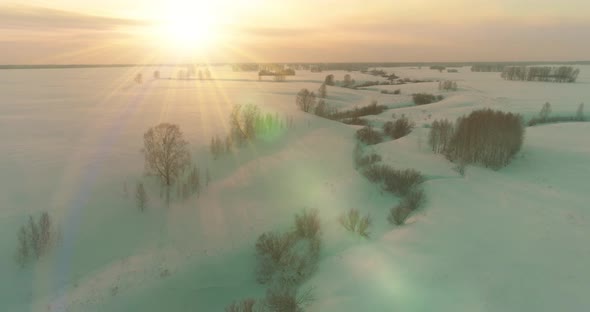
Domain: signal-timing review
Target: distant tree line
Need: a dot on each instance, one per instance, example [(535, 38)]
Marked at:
[(541, 73), (496, 68)]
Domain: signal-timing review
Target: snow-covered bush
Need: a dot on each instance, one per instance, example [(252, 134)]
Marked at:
[(361, 161), (398, 182), (425, 98), (398, 215), (35, 239), (307, 224), (353, 222), (355, 121), (283, 299), (399, 128), (288, 259), (447, 85), (369, 136)]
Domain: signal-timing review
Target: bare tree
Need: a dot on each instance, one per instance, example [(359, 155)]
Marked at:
[(545, 111), (166, 153), (329, 80), (306, 100), (141, 197)]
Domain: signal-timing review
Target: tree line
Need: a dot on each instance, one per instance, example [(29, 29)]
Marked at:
[(541, 73)]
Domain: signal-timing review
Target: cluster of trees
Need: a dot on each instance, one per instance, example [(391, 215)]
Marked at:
[(487, 137), (544, 116), (399, 128), (440, 135), (425, 98), (447, 85), (372, 109), (541, 73), (34, 239), (247, 122)]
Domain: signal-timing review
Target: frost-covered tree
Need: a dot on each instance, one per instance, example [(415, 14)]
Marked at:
[(166, 153)]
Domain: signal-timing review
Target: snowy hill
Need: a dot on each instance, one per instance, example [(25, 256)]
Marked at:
[(506, 240)]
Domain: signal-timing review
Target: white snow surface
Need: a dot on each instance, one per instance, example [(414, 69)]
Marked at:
[(515, 239)]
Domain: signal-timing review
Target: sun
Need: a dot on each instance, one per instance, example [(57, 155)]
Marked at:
[(189, 29)]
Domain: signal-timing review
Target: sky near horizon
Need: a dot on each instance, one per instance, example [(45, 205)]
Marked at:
[(153, 31)]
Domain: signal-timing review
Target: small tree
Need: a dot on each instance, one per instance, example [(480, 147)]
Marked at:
[(157, 74), (166, 153), (347, 80), (141, 197), (322, 91), (329, 81), (545, 111), (306, 100)]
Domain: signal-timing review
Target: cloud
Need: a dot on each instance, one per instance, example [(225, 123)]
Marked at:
[(27, 18)]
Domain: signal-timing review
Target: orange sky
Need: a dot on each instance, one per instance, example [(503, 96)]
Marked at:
[(153, 31)]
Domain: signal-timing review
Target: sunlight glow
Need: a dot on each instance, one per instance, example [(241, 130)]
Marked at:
[(189, 27)]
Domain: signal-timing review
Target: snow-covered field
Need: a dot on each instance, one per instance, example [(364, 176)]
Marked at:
[(70, 139)]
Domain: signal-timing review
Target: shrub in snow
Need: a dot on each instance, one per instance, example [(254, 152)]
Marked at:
[(246, 305), (488, 137), (283, 299), (141, 197), (447, 85), (398, 182), (34, 239), (371, 109), (353, 222), (368, 136), (307, 224), (288, 259), (439, 137), (400, 128), (355, 121), (425, 98), (361, 161), (398, 215)]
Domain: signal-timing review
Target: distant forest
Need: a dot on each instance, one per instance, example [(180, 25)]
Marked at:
[(541, 73), (478, 66)]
